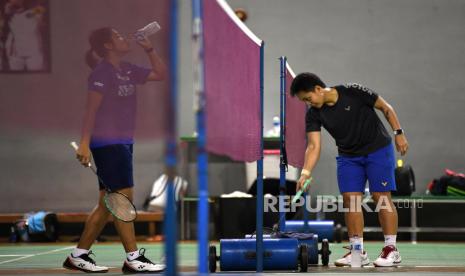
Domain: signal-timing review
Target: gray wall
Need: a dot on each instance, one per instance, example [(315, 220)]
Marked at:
[(411, 52)]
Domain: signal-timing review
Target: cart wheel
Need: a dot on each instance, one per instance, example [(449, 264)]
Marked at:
[(325, 252), (338, 233), (212, 258), (303, 257)]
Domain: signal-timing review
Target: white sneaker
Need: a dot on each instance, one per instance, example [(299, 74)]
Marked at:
[(389, 256), (83, 263), (346, 259), (141, 264)]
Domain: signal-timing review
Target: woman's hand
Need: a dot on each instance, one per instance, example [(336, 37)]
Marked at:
[(145, 43), (83, 154)]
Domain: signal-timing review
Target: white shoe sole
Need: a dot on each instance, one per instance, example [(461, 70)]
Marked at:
[(395, 263)]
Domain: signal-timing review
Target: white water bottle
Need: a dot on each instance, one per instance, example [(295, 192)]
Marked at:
[(147, 31), (356, 252)]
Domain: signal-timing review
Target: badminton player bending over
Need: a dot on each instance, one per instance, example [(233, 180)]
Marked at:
[(366, 152), (107, 132)]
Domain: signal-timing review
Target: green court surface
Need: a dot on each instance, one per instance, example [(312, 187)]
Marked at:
[(421, 258)]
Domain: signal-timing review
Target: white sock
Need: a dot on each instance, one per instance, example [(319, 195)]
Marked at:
[(133, 255), (78, 252), (356, 239), (390, 240)]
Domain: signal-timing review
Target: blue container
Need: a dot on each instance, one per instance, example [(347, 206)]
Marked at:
[(323, 228), (312, 246), (240, 254)]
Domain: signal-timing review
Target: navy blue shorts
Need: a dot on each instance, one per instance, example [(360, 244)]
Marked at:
[(377, 167), (114, 166)]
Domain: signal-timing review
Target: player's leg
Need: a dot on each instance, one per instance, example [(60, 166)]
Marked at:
[(80, 258), (387, 213), (122, 176), (136, 260), (126, 229), (380, 171), (94, 224), (351, 180)]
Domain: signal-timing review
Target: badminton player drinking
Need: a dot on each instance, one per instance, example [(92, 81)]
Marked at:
[(107, 133), (366, 152)]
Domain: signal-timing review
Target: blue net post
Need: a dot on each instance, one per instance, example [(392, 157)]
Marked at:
[(170, 231), (259, 225), (282, 139), (202, 158)]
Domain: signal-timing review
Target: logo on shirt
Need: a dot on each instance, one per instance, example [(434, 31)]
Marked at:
[(347, 108), (99, 84), (123, 78), (359, 87), (126, 90)]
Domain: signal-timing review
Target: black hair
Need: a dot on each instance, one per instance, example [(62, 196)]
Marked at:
[(97, 40), (305, 82)]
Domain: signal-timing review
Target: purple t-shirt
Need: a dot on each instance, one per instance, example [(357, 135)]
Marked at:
[(115, 118)]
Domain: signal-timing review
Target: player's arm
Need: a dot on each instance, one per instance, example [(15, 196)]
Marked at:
[(312, 154), (159, 69), (94, 99), (391, 117)]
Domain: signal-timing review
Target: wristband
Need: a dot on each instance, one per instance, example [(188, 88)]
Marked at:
[(149, 50), (398, 131), (305, 172)]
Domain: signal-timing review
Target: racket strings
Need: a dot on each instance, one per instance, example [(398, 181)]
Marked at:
[(120, 206)]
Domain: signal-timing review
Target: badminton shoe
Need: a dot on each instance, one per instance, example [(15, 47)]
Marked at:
[(346, 259), (141, 264), (83, 263), (389, 256)]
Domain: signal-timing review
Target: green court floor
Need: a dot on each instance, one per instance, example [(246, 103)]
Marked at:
[(36, 259)]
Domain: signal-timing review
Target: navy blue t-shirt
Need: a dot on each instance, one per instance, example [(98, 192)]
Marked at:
[(351, 121), (115, 118)]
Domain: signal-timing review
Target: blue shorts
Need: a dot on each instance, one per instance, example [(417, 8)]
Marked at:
[(377, 167), (114, 166)]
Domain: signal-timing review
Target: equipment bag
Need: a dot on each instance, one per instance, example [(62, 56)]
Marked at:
[(157, 199), (38, 226), (405, 180)]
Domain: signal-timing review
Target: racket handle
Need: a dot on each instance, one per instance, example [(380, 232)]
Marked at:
[(74, 145), (299, 193)]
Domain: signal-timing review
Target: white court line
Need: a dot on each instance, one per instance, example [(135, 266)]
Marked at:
[(438, 266), (4, 256), (38, 254), (15, 255)]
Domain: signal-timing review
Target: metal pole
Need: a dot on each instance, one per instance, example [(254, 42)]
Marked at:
[(259, 225), (170, 225), (282, 139), (202, 158)]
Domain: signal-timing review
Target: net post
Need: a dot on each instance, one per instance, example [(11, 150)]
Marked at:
[(170, 225), (202, 157), (282, 138), (259, 225)]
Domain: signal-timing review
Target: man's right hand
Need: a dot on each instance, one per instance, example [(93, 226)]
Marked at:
[(301, 182), (83, 154)]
